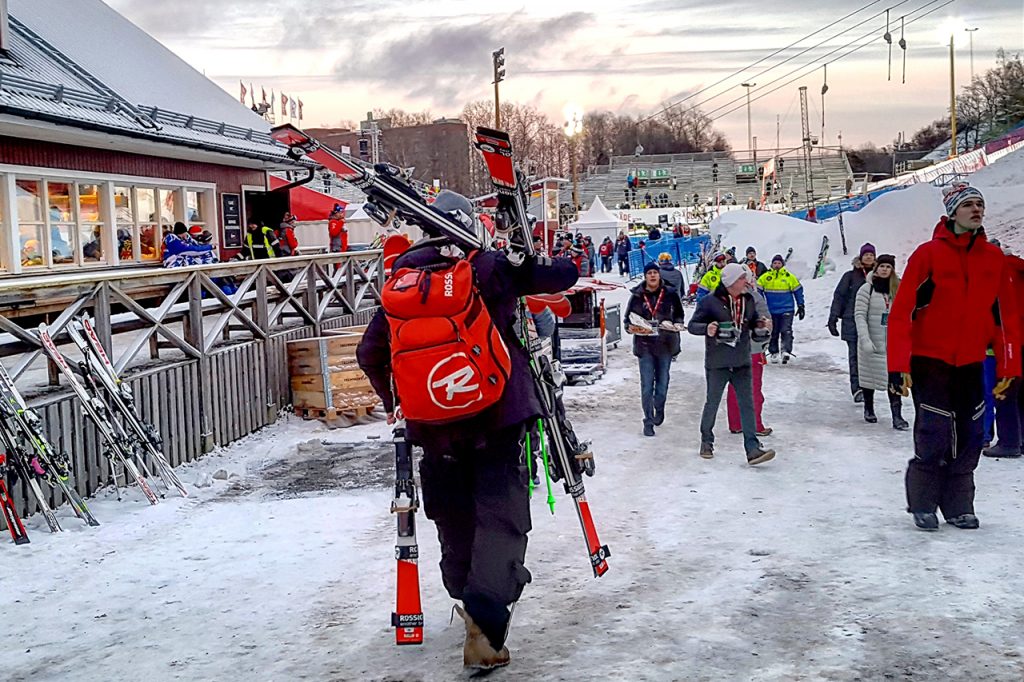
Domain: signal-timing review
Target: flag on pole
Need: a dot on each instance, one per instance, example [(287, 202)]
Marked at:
[(284, 104), (241, 97), (300, 109), (294, 110), (252, 94), (264, 90), (273, 97)]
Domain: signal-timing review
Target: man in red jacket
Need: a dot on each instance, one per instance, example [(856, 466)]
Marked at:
[(955, 301)]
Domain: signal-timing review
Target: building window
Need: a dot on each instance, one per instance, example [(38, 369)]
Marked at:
[(31, 225), (62, 219)]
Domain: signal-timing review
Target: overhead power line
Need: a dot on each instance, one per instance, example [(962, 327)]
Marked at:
[(808, 69), (759, 61)]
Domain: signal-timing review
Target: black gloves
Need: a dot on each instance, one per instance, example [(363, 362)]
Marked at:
[(800, 312), (832, 328)]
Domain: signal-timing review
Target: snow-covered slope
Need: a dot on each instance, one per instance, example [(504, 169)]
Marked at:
[(895, 223)]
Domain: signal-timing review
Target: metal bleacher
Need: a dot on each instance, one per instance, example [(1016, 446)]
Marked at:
[(694, 174)]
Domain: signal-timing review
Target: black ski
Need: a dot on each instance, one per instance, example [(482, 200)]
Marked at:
[(407, 618)]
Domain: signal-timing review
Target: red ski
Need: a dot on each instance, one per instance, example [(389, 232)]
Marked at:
[(408, 616), (14, 524)]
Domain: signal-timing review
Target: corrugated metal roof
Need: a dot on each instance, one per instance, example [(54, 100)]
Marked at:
[(37, 81)]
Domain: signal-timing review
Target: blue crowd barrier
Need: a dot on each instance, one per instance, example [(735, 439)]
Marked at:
[(682, 249), (850, 205)]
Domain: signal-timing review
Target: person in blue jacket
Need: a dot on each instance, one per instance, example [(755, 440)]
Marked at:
[(784, 294)]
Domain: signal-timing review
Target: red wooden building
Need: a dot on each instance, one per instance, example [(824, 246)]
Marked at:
[(103, 148)]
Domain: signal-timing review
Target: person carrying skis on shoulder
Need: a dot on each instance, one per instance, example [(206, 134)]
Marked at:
[(726, 319), (784, 294), (871, 315), (469, 418), (956, 299), (757, 268), (844, 300), (654, 316), (713, 277)]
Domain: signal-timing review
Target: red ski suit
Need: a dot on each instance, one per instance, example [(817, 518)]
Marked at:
[(955, 300)]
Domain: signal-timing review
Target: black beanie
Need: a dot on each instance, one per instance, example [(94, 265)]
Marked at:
[(886, 258), (651, 266), (751, 249), (778, 257)]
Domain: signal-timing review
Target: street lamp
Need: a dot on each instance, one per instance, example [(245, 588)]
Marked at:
[(498, 57), (750, 138), (573, 127), (970, 32)]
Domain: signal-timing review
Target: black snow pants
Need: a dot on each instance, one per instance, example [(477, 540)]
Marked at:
[(948, 431), (476, 493)]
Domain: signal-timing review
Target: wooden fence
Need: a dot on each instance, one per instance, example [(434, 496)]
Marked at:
[(215, 369)]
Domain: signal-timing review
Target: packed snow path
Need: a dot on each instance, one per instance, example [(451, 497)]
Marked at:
[(804, 568)]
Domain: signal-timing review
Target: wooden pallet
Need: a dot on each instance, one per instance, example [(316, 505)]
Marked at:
[(340, 417)]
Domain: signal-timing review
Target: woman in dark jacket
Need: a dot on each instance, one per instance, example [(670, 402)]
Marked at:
[(654, 316)]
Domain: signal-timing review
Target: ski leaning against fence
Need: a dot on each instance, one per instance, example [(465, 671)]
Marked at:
[(30, 455), (142, 434), (118, 446)]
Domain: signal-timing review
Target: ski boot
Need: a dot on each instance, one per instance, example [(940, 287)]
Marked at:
[(786, 357), (773, 358)]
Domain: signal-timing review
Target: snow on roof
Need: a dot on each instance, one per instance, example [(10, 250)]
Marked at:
[(130, 61)]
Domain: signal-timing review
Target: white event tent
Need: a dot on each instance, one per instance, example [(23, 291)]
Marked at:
[(598, 222)]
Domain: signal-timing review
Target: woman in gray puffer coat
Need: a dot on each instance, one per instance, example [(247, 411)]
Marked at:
[(871, 314)]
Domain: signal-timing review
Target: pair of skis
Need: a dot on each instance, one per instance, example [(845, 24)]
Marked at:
[(110, 405), (819, 266), (572, 457), (29, 455)]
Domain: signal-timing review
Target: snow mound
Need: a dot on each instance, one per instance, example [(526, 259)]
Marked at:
[(1004, 202)]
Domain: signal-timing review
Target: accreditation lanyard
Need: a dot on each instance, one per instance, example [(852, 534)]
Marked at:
[(657, 304), (885, 316)]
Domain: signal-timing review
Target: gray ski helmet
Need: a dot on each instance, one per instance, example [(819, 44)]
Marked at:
[(457, 206)]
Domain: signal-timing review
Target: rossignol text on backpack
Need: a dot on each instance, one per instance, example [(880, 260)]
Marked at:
[(448, 360)]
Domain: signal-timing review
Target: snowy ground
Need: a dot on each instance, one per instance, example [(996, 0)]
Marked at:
[(806, 568)]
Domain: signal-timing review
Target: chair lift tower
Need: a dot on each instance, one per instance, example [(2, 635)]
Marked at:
[(805, 127)]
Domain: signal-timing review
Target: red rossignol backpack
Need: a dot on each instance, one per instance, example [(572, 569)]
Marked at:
[(448, 360)]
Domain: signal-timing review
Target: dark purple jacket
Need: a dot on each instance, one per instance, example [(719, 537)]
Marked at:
[(501, 284)]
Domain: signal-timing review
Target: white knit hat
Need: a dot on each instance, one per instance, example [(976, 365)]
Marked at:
[(733, 272)]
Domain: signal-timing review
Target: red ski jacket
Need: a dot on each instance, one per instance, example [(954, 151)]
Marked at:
[(955, 300), (1016, 265)]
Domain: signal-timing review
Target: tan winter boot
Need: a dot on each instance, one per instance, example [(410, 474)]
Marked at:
[(477, 651)]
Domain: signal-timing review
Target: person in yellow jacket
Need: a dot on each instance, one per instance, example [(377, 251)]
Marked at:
[(784, 294), (711, 279), (260, 242)]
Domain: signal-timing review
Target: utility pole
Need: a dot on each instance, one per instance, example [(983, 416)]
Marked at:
[(970, 32), (778, 134), (953, 153), (498, 57), (750, 138)]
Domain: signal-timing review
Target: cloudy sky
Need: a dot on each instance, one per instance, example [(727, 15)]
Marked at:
[(344, 57)]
